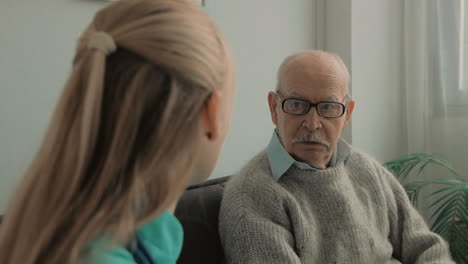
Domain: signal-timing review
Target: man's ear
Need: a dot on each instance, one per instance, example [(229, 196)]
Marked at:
[(349, 110), (273, 104), (211, 116)]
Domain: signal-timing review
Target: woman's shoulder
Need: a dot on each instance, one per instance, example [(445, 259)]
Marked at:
[(159, 241), (103, 255)]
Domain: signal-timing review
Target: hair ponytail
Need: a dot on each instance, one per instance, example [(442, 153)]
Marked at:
[(119, 146)]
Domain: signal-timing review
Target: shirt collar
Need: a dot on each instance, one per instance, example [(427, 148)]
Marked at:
[(162, 238), (280, 160)]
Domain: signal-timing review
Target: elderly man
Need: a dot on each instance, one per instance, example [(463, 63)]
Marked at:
[(312, 198)]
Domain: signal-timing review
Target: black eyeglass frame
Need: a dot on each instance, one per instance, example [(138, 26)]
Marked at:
[(310, 104)]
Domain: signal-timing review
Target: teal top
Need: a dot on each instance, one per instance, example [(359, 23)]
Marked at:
[(159, 242), (280, 160)]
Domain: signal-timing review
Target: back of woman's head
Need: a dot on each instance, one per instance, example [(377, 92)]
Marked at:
[(120, 145)]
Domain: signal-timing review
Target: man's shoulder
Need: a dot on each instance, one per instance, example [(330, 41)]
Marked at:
[(251, 191), (363, 159), (366, 164), (254, 178), (257, 169)]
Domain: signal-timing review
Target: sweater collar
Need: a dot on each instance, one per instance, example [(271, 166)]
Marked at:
[(280, 160)]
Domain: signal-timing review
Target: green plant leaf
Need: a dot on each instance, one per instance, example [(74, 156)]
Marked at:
[(446, 214), (413, 189), (421, 168), (402, 166), (459, 244), (442, 206), (446, 196), (443, 223), (447, 181), (459, 255), (463, 216), (442, 231), (451, 198)]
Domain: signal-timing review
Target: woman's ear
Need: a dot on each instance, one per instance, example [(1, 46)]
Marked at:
[(211, 116)]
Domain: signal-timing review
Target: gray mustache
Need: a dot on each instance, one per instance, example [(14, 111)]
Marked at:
[(311, 138)]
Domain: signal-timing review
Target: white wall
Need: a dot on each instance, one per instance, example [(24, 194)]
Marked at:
[(449, 138), (38, 40), (261, 34), (333, 34), (37, 44), (367, 35), (376, 66)]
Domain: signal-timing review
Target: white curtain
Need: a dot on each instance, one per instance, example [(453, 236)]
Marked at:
[(435, 86)]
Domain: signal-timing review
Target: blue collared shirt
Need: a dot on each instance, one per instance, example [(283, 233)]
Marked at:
[(280, 160)]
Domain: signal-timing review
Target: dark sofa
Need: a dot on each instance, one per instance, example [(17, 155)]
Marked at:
[(198, 210)]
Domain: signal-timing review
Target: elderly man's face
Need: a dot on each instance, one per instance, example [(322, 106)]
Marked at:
[(310, 138)]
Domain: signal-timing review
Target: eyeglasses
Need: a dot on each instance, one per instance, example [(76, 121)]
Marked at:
[(325, 109)]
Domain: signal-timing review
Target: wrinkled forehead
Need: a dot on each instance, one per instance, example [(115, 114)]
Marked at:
[(315, 71)]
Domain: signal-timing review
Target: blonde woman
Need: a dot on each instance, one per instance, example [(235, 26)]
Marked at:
[(143, 114)]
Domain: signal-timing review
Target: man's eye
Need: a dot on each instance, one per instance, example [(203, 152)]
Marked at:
[(297, 104), (326, 106)]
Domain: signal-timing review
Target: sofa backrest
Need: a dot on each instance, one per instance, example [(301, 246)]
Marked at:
[(198, 211)]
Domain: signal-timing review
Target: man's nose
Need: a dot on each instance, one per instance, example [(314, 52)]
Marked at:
[(312, 120)]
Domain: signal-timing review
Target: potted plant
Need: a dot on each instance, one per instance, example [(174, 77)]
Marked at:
[(449, 193)]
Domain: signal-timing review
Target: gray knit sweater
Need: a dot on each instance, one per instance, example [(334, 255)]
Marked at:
[(353, 213)]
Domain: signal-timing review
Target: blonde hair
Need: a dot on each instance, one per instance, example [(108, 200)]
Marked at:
[(120, 144)]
